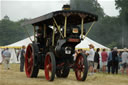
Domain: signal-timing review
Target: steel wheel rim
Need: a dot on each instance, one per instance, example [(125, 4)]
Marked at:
[(29, 61), (48, 67), (79, 71)]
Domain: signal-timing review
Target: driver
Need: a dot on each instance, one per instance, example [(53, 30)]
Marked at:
[(40, 37)]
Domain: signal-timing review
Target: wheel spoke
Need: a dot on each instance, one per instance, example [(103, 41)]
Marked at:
[(29, 68), (79, 73)]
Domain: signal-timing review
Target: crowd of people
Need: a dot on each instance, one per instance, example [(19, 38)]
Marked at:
[(110, 61)]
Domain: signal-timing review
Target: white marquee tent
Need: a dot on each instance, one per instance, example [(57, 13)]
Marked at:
[(83, 44), (87, 41), (22, 42)]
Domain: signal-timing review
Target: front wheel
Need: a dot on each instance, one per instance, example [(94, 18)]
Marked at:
[(50, 66), (81, 67), (31, 67)]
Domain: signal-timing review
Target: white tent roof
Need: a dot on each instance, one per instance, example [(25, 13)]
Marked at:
[(22, 42), (83, 44), (87, 41)]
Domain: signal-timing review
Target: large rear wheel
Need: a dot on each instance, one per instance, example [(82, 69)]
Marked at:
[(31, 68), (81, 67), (50, 66)]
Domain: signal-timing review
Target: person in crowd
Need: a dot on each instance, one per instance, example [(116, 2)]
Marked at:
[(80, 51), (96, 60), (22, 59), (110, 61), (104, 60), (125, 61), (120, 60), (115, 60), (17, 54), (2, 55), (76, 53), (6, 56), (90, 58)]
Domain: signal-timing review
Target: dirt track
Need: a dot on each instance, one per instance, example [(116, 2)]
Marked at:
[(14, 77)]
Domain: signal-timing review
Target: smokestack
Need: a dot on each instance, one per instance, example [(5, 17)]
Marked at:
[(66, 7)]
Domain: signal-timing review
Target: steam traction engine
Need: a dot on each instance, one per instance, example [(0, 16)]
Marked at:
[(55, 36)]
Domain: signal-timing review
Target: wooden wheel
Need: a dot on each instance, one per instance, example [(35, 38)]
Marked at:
[(31, 68), (81, 67), (50, 66)]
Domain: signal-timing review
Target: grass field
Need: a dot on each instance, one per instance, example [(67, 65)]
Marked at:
[(14, 77)]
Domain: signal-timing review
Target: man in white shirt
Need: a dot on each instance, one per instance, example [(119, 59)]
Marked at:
[(6, 55), (90, 58), (125, 60)]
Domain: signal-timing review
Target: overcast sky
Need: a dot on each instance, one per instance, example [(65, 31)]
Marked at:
[(18, 9)]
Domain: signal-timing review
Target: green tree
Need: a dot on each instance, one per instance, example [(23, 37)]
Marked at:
[(122, 6), (12, 31), (107, 29)]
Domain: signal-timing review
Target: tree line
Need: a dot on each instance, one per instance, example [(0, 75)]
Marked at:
[(108, 30), (11, 32)]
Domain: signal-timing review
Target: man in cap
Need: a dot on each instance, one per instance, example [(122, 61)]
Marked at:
[(90, 58)]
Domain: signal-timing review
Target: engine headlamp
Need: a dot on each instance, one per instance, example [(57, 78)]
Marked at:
[(75, 30)]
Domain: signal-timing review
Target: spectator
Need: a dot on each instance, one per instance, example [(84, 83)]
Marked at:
[(104, 60), (96, 59), (110, 61), (115, 61), (22, 59), (90, 58), (17, 54), (125, 61), (120, 59), (76, 53), (2, 55), (6, 56)]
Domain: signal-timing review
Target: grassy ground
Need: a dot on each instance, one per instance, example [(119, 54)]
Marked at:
[(14, 77)]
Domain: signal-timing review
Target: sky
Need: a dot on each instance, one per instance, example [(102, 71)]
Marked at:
[(19, 9)]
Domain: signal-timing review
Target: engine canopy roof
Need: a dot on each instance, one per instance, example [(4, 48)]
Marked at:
[(74, 18)]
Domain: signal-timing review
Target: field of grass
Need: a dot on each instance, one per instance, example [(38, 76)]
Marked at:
[(14, 77)]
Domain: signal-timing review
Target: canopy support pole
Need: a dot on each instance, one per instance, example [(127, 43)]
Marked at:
[(58, 27), (44, 30), (34, 32), (82, 27), (53, 35), (65, 26), (89, 29)]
